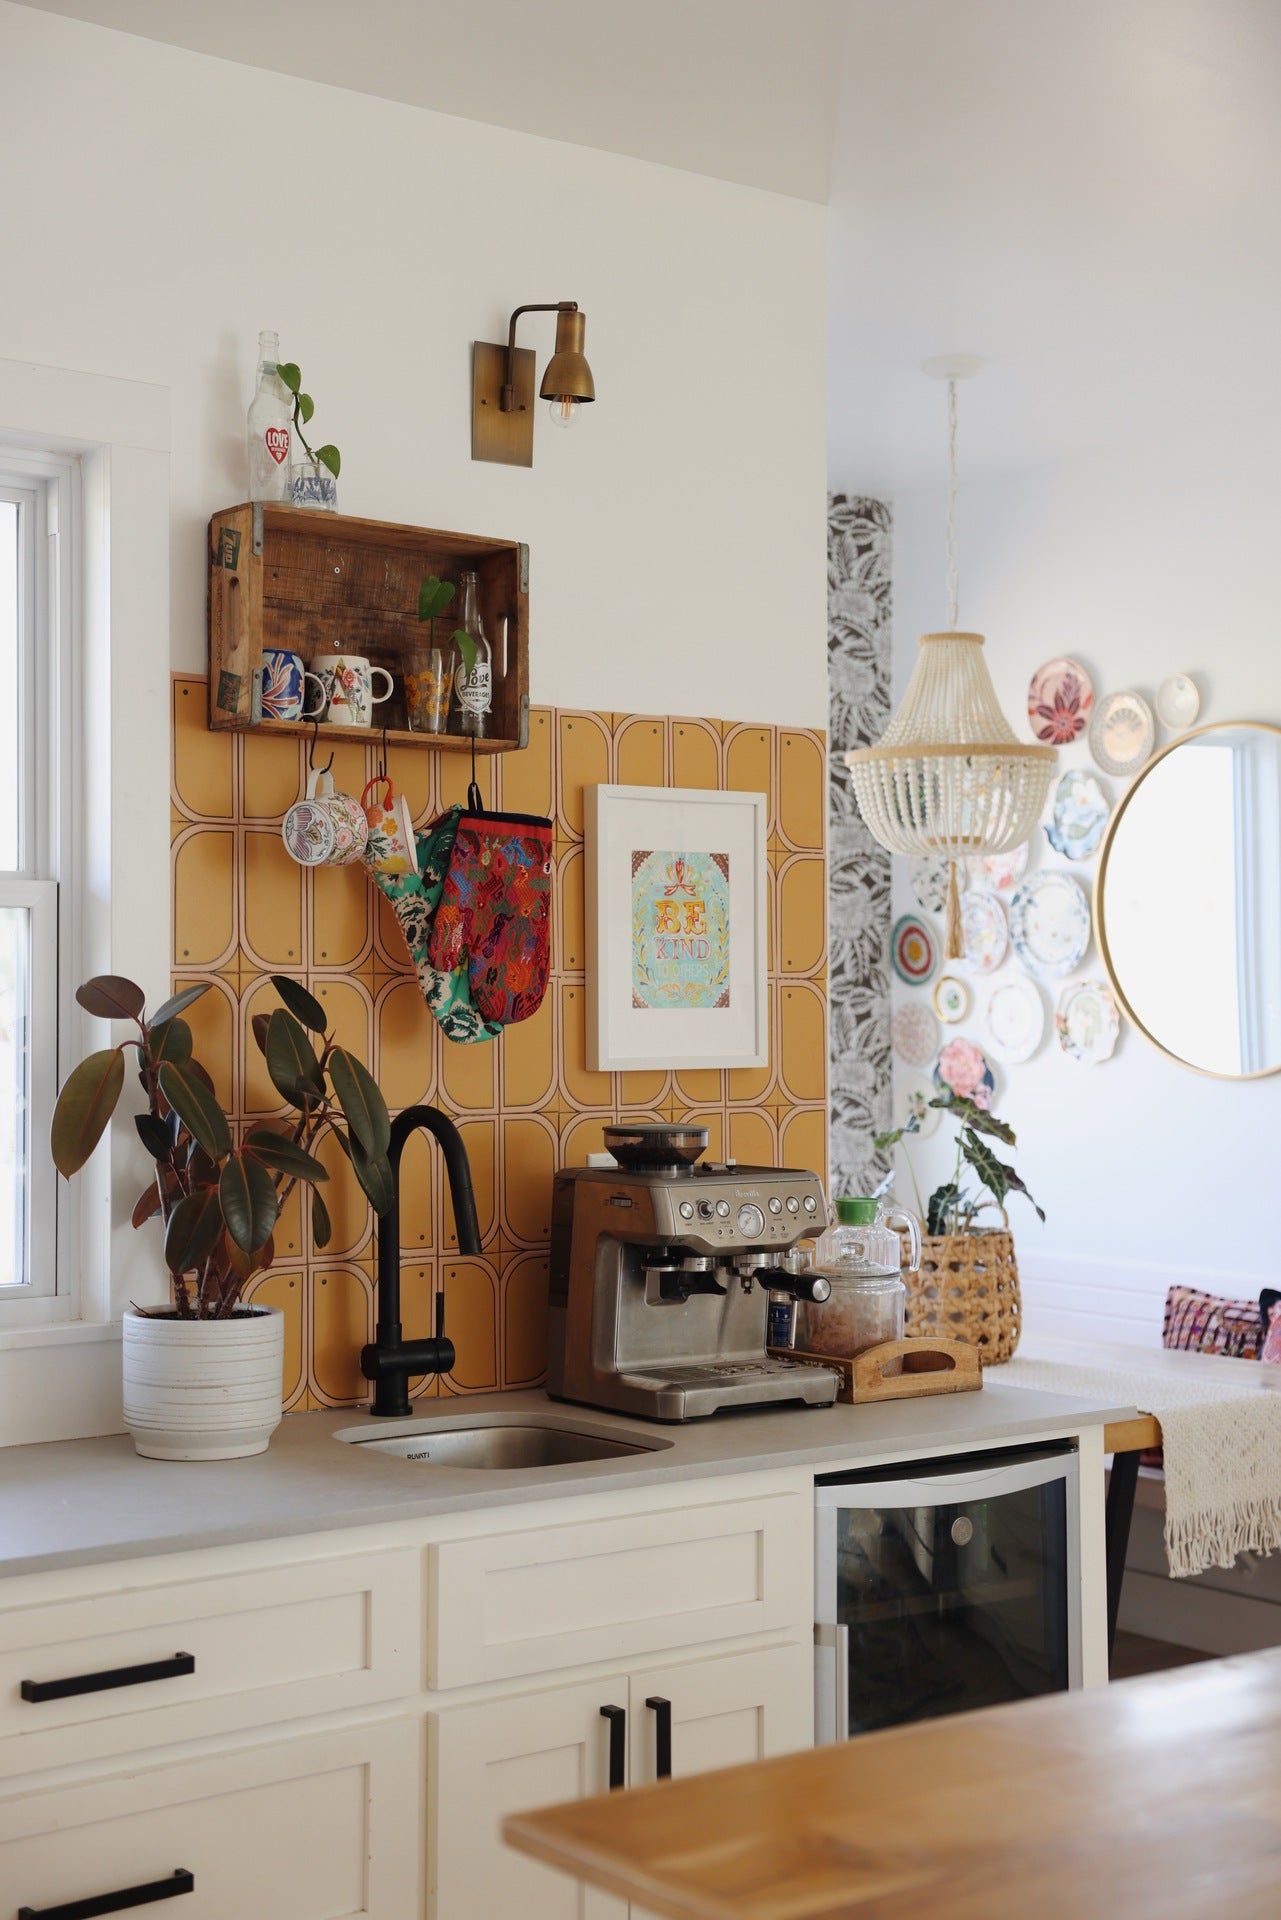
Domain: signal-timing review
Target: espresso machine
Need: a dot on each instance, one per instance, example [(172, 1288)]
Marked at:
[(661, 1271)]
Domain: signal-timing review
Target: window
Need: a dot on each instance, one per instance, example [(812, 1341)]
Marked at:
[(34, 766)]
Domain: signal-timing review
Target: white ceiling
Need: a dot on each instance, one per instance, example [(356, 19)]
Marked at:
[(1085, 192), (740, 89)]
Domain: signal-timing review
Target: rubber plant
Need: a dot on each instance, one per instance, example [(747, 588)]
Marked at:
[(217, 1200), (951, 1209), (304, 406)]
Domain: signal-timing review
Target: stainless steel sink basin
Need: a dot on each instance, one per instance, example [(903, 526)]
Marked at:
[(521, 1440)]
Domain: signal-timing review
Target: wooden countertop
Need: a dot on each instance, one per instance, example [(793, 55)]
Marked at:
[(1154, 1799)]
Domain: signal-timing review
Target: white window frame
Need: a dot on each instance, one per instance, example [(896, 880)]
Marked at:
[(46, 489)]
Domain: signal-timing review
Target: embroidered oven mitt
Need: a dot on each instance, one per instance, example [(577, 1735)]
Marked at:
[(415, 900), (494, 916)]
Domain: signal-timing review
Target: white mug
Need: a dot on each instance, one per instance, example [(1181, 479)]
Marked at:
[(348, 682)]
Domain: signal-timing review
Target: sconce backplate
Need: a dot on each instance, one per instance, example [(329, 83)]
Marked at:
[(505, 437)]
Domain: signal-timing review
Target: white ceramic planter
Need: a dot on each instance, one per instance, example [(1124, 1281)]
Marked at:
[(203, 1389)]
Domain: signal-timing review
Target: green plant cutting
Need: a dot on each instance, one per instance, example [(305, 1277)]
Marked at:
[(219, 1200), (434, 597), (304, 407), (951, 1208)]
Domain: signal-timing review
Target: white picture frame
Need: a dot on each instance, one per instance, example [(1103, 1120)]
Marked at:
[(683, 984)]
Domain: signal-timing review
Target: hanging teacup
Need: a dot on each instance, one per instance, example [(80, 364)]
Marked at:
[(391, 847)]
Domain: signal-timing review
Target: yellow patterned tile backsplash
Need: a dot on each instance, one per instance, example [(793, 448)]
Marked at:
[(526, 1104)]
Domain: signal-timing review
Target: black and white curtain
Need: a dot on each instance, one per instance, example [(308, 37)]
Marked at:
[(859, 671)]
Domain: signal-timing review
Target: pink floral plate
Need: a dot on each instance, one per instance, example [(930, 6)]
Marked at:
[(1059, 700), (963, 1069)]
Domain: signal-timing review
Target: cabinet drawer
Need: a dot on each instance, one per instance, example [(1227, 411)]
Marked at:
[(521, 1603), (269, 1645), (318, 1829)]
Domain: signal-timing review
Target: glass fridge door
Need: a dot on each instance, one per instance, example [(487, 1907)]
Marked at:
[(947, 1591)]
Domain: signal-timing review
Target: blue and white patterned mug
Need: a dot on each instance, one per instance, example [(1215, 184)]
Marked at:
[(284, 679)]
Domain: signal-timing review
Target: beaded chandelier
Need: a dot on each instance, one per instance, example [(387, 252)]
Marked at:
[(949, 776)]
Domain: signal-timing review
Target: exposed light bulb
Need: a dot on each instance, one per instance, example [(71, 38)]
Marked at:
[(564, 409)]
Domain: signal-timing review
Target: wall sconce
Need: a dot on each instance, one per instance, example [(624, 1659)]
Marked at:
[(502, 387)]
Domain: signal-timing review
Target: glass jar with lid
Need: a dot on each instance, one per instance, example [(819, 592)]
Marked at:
[(861, 1257)]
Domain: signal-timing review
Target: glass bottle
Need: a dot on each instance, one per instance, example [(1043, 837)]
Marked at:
[(861, 1257), (269, 427), (474, 691)]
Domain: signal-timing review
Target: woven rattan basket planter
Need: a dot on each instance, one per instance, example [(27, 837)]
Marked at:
[(967, 1289)]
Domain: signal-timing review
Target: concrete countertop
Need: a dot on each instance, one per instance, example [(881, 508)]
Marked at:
[(77, 1502)]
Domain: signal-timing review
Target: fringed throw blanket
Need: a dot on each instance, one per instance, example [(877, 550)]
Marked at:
[(1222, 1443)]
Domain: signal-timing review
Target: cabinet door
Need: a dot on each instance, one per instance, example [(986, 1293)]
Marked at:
[(507, 1756), (724, 1711)]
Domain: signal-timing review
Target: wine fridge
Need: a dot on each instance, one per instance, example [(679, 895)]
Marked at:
[(943, 1586)]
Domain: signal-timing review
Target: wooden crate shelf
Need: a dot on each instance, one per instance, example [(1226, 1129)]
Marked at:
[(318, 582)]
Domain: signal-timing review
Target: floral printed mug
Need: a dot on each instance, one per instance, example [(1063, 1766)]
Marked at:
[(349, 690), (391, 848), (324, 828)]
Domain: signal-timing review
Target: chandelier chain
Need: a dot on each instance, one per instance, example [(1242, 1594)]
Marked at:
[(953, 578)]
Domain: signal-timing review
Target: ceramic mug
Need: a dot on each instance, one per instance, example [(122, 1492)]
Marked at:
[(324, 828), (349, 691), (392, 847), (284, 686)]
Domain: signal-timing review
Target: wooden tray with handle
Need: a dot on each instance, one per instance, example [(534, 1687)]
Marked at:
[(898, 1369)]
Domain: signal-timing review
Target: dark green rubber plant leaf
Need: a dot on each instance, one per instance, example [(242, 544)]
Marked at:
[(303, 1005), (196, 1106), (170, 1040), (154, 1135), (364, 1108), (248, 1198), (291, 1061), (84, 1107), (374, 1175), (194, 1226), (320, 1227), (285, 1156), (111, 997), (178, 1004)]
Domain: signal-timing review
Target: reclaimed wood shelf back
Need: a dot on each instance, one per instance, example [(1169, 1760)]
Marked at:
[(322, 583)]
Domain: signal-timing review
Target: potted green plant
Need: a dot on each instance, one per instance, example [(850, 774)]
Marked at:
[(202, 1375), (967, 1287), (314, 481)]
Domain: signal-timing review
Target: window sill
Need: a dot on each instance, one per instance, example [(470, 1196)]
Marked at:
[(74, 1333)]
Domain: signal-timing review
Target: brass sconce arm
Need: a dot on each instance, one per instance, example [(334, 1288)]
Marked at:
[(507, 400)]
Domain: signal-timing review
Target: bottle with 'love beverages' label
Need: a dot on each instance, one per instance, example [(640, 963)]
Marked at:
[(474, 691), (269, 431)]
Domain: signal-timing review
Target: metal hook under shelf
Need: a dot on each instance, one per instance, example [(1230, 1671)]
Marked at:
[(311, 750)]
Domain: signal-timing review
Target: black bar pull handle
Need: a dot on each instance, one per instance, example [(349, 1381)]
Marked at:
[(617, 1717), (662, 1711), (113, 1677), (179, 1881)]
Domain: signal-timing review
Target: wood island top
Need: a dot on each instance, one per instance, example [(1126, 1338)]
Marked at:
[(1154, 1799)]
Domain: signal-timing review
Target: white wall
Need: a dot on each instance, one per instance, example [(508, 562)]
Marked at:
[(1139, 562), (164, 206)]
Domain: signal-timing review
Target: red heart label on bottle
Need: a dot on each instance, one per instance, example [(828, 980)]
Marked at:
[(277, 439)]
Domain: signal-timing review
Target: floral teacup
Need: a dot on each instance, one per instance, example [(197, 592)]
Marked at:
[(391, 848)]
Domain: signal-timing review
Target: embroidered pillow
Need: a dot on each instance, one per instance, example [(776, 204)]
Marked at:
[(1270, 1314), (1197, 1322)]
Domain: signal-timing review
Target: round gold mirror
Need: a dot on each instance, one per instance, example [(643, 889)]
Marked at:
[(1188, 900)]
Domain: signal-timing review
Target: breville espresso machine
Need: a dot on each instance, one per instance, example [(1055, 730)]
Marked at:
[(661, 1271)]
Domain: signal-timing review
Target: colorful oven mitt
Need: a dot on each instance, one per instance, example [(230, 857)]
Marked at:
[(494, 916), (415, 900)]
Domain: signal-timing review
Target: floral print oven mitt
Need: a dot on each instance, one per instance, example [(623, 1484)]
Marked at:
[(494, 916)]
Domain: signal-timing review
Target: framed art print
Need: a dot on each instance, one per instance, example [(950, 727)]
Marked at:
[(676, 928)]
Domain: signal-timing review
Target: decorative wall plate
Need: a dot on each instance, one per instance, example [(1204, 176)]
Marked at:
[(913, 1097), (913, 950), (1079, 814), (1050, 924), (928, 874), (1122, 733), (951, 999), (1087, 1022), (1014, 1019), (915, 1033), (1059, 699), (962, 1069), (1178, 702), (986, 934), (998, 872)]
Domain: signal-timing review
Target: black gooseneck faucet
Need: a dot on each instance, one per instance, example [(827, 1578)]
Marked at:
[(391, 1359)]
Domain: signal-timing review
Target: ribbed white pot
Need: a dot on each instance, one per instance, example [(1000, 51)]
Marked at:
[(203, 1389)]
